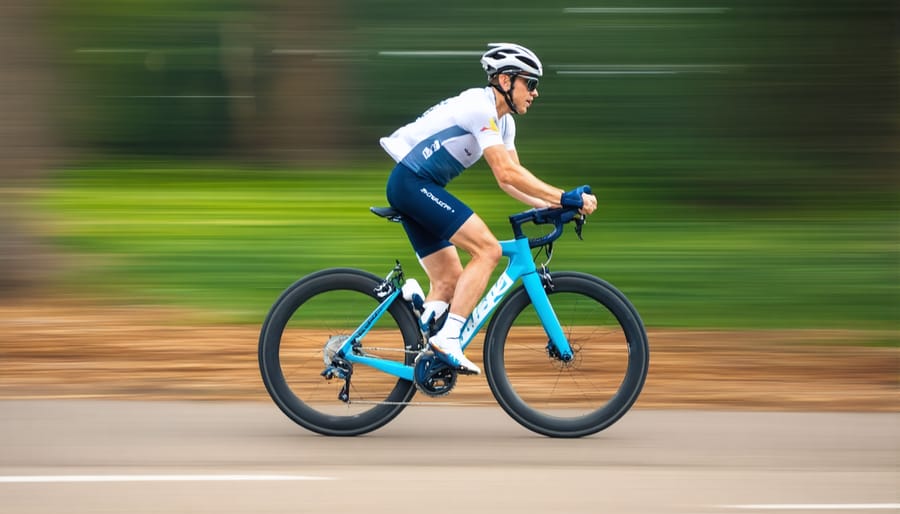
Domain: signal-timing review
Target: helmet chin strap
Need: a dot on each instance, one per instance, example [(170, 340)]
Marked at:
[(507, 95)]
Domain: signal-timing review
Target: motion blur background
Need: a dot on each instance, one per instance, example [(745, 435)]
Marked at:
[(206, 153)]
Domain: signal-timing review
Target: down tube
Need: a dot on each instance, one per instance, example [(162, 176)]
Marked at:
[(545, 312)]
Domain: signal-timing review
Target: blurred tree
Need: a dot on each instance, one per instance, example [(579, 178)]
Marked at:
[(26, 140), (822, 95), (304, 111), (145, 77), (760, 104), (205, 77)]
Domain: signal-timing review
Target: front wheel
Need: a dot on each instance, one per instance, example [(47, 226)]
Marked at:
[(300, 336), (586, 394)]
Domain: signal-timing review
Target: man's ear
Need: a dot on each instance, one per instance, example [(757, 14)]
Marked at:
[(503, 81)]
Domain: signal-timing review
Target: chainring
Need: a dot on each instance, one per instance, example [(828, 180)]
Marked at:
[(433, 376)]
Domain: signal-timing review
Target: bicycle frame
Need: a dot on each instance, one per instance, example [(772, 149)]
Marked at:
[(520, 265), (603, 334)]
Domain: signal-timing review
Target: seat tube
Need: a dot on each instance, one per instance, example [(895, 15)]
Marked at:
[(545, 312)]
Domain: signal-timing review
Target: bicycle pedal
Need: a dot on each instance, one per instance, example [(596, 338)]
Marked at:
[(465, 371)]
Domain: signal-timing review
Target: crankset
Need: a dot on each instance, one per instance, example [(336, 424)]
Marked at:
[(433, 376)]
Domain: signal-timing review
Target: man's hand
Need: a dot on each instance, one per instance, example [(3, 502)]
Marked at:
[(580, 198), (589, 203)]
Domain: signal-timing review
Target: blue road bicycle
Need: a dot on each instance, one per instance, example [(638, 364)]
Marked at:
[(342, 353)]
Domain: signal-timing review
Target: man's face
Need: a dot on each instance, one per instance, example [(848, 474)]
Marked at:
[(524, 92)]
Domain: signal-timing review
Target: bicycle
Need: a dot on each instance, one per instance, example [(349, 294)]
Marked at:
[(569, 369)]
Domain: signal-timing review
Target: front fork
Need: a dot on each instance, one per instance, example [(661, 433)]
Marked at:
[(539, 285)]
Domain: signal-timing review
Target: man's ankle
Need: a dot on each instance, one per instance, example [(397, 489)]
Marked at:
[(452, 327)]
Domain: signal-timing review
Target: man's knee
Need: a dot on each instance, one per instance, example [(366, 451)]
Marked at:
[(489, 251)]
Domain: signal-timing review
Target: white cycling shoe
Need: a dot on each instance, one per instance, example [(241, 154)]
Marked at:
[(450, 351)]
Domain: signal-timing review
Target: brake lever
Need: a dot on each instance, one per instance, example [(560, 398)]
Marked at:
[(579, 225)]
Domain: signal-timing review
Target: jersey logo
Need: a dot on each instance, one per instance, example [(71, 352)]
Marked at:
[(492, 126)]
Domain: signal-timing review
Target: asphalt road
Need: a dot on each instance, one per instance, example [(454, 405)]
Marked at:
[(79, 456)]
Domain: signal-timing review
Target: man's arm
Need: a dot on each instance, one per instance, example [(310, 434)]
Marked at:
[(520, 196), (517, 181)]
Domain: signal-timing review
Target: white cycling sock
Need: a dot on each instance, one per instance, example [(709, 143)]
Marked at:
[(453, 326), (432, 310)]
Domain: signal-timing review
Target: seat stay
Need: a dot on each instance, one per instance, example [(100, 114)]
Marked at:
[(391, 367), (370, 321)]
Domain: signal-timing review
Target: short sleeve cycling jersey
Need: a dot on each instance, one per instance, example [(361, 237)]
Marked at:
[(451, 136)]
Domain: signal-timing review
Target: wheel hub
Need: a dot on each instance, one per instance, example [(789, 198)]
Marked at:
[(332, 346), (557, 360)]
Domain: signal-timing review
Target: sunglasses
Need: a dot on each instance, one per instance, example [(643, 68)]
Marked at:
[(531, 83)]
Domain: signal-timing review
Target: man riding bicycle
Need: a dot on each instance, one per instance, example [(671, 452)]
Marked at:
[(435, 148)]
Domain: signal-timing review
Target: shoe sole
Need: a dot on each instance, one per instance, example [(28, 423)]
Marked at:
[(456, 365)]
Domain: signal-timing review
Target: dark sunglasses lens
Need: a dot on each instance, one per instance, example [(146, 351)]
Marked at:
[(531, 83)]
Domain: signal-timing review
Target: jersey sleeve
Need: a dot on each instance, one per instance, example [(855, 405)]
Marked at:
[(479, 120), (508, 131)]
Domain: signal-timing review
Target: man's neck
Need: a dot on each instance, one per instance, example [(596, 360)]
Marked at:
[(500, 103)]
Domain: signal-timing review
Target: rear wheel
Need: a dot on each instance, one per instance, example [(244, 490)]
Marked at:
[(307, 325), (588, 393)]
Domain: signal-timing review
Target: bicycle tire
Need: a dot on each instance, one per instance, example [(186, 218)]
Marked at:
[(591, 392), (322, 308)]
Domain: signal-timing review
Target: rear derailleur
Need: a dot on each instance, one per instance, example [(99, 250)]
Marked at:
[(337, 367)]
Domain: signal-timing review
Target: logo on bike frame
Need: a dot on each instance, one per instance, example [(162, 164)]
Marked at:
[(484, 308)]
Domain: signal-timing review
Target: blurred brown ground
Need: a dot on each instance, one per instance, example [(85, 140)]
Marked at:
[(84, 350)]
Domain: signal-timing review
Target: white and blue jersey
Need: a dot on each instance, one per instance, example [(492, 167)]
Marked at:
[(451, 136)]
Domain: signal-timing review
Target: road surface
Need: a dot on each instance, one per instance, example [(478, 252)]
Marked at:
[(82, 456)]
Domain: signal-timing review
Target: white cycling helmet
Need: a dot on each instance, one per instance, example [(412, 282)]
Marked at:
[(510, 58)]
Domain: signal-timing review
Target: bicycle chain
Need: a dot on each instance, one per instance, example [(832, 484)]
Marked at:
[(376, 348), (414, 404), (423, 404)]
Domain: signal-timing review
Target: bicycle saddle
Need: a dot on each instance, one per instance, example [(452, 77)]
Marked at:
[(387, 212)]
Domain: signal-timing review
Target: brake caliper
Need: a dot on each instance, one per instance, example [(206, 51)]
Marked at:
[(546, 279)]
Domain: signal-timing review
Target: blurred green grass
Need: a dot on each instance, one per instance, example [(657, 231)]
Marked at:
[(228, 239)]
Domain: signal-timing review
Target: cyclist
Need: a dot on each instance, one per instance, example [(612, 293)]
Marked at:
[(430, 151)]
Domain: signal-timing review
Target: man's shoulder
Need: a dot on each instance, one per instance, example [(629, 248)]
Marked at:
[(475, 95), (473, 102)]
